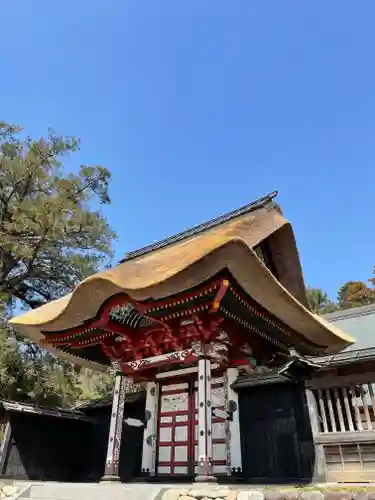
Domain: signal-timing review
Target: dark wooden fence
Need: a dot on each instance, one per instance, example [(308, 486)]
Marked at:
[(47, 448)]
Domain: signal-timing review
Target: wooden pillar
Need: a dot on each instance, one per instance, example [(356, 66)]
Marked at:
[(319, 471), (234, 464), (149, 435), (204, 422), (111, 472), (4, 448)]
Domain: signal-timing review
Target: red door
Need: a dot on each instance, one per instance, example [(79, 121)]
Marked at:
[(175, 449), (177, 446)]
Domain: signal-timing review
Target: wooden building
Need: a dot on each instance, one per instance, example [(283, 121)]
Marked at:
[(210, 320), (343, 389)]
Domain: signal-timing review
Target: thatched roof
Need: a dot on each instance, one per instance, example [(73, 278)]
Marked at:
[(186, 262)]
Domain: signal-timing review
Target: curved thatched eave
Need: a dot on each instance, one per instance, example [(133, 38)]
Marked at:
[(186, 264)]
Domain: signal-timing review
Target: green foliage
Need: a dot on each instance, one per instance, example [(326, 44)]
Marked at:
[(29, 374), (32, 375), (319, 302), (351, 294), (95, 385), (50, 240), (355, 294)]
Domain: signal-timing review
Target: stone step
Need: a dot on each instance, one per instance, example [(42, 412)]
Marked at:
[(36, 498), (66, 491)]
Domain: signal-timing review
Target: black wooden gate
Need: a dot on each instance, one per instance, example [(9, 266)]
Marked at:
[(276, 436)]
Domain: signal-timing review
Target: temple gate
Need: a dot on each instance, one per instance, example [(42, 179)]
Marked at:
[(184, 317)]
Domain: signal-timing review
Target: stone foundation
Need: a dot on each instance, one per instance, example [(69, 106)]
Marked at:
[(9, 491), (210, 492)]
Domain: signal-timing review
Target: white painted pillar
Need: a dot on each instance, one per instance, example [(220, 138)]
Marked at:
[(234, 465), (204, 421), (149, 435), (111, 472)]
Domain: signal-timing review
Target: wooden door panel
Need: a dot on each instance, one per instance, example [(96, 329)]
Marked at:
[(286, 448), (173, 429), (273, 431), (260, 456), (178, 428)]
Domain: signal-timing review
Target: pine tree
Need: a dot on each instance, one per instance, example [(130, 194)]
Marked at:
[(50, 240)]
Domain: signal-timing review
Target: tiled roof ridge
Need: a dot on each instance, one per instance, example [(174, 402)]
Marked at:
[(200, 228), (354, 312), (35, 409)]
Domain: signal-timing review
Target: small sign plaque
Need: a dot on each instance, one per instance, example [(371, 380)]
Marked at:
[(134, 422)]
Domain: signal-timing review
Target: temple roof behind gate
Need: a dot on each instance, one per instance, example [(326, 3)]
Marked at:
[(255, 244)]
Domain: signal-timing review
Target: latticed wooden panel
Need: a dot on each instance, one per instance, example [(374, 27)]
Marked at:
[(346, 409), (350, 462)]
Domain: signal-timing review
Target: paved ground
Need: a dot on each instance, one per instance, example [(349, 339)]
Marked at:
[(69, 491), (133, 491)]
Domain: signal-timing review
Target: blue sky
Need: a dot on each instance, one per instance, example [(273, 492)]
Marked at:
[(198, 107)]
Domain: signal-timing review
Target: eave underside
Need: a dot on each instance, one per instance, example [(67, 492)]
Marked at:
[(187, 265), (239, 315)]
